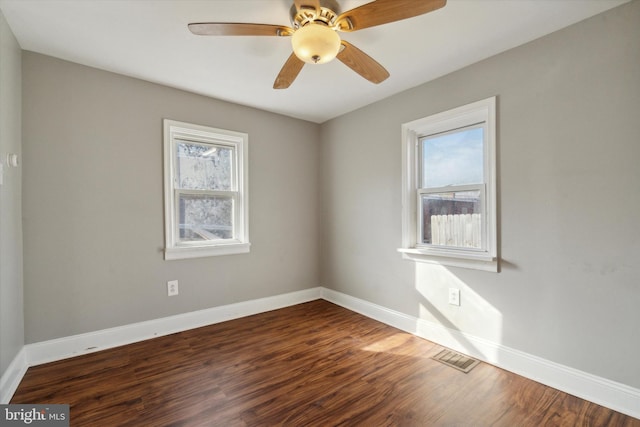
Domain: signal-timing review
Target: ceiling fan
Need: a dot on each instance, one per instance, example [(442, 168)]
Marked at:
[(315, 38)]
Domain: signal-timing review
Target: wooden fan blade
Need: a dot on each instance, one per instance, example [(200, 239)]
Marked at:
[(307, 4), (385, 11), (237, 29), (362, 63), (289, 72)]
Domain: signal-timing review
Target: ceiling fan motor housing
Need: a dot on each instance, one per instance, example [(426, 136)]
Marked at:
[(326, 14)]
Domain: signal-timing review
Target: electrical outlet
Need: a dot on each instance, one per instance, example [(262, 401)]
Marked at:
[(172, 288), (454, 296)]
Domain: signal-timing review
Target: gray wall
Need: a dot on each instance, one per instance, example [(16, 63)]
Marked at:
[(568, 185), (569, 200), (93, 202), (11, 303)]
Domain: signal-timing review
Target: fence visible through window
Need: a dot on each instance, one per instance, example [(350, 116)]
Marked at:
[(464, 230)]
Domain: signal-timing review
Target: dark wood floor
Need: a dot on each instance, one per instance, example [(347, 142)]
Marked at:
[(313, 364)]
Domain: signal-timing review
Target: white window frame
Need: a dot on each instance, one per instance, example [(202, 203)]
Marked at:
[(175, 131), (480, 112)]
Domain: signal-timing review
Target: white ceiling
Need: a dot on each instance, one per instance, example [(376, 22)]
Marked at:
[(149, 39)]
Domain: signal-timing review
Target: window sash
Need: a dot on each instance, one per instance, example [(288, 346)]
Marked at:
[(209, 145), (420, 151), (422, 191), (233, 196)]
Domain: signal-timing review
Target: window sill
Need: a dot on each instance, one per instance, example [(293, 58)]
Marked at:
[(186, 252), (452, 259)]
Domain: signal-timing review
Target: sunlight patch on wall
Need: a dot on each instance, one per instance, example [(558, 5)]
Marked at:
[(475, 316)]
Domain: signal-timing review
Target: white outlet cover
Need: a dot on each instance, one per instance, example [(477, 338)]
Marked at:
[(172, 287), (454, 296)]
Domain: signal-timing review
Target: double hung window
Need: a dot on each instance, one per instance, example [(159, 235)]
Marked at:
[(206, 202), (449, 196)]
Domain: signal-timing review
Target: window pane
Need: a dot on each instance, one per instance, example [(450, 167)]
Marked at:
[(454, 158), (203, 167), (452, 219), (203, 217)]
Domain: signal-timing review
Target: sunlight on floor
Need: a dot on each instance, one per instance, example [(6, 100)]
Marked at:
[(395, 344)]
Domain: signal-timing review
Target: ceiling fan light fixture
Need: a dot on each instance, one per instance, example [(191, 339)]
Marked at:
[(315, 43), (314, 33)]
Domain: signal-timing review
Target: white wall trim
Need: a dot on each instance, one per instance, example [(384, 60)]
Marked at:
[(611, 394), (62, 348), (12, 376), (604, 392)]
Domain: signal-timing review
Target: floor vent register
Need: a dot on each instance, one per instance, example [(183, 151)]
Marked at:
[(456, 360)]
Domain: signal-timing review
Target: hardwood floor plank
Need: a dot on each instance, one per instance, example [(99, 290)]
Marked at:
[(313, 364)]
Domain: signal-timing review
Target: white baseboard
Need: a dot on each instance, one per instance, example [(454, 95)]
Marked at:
[(75, 345), (604, 392), (12, 376), (619, 397)]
